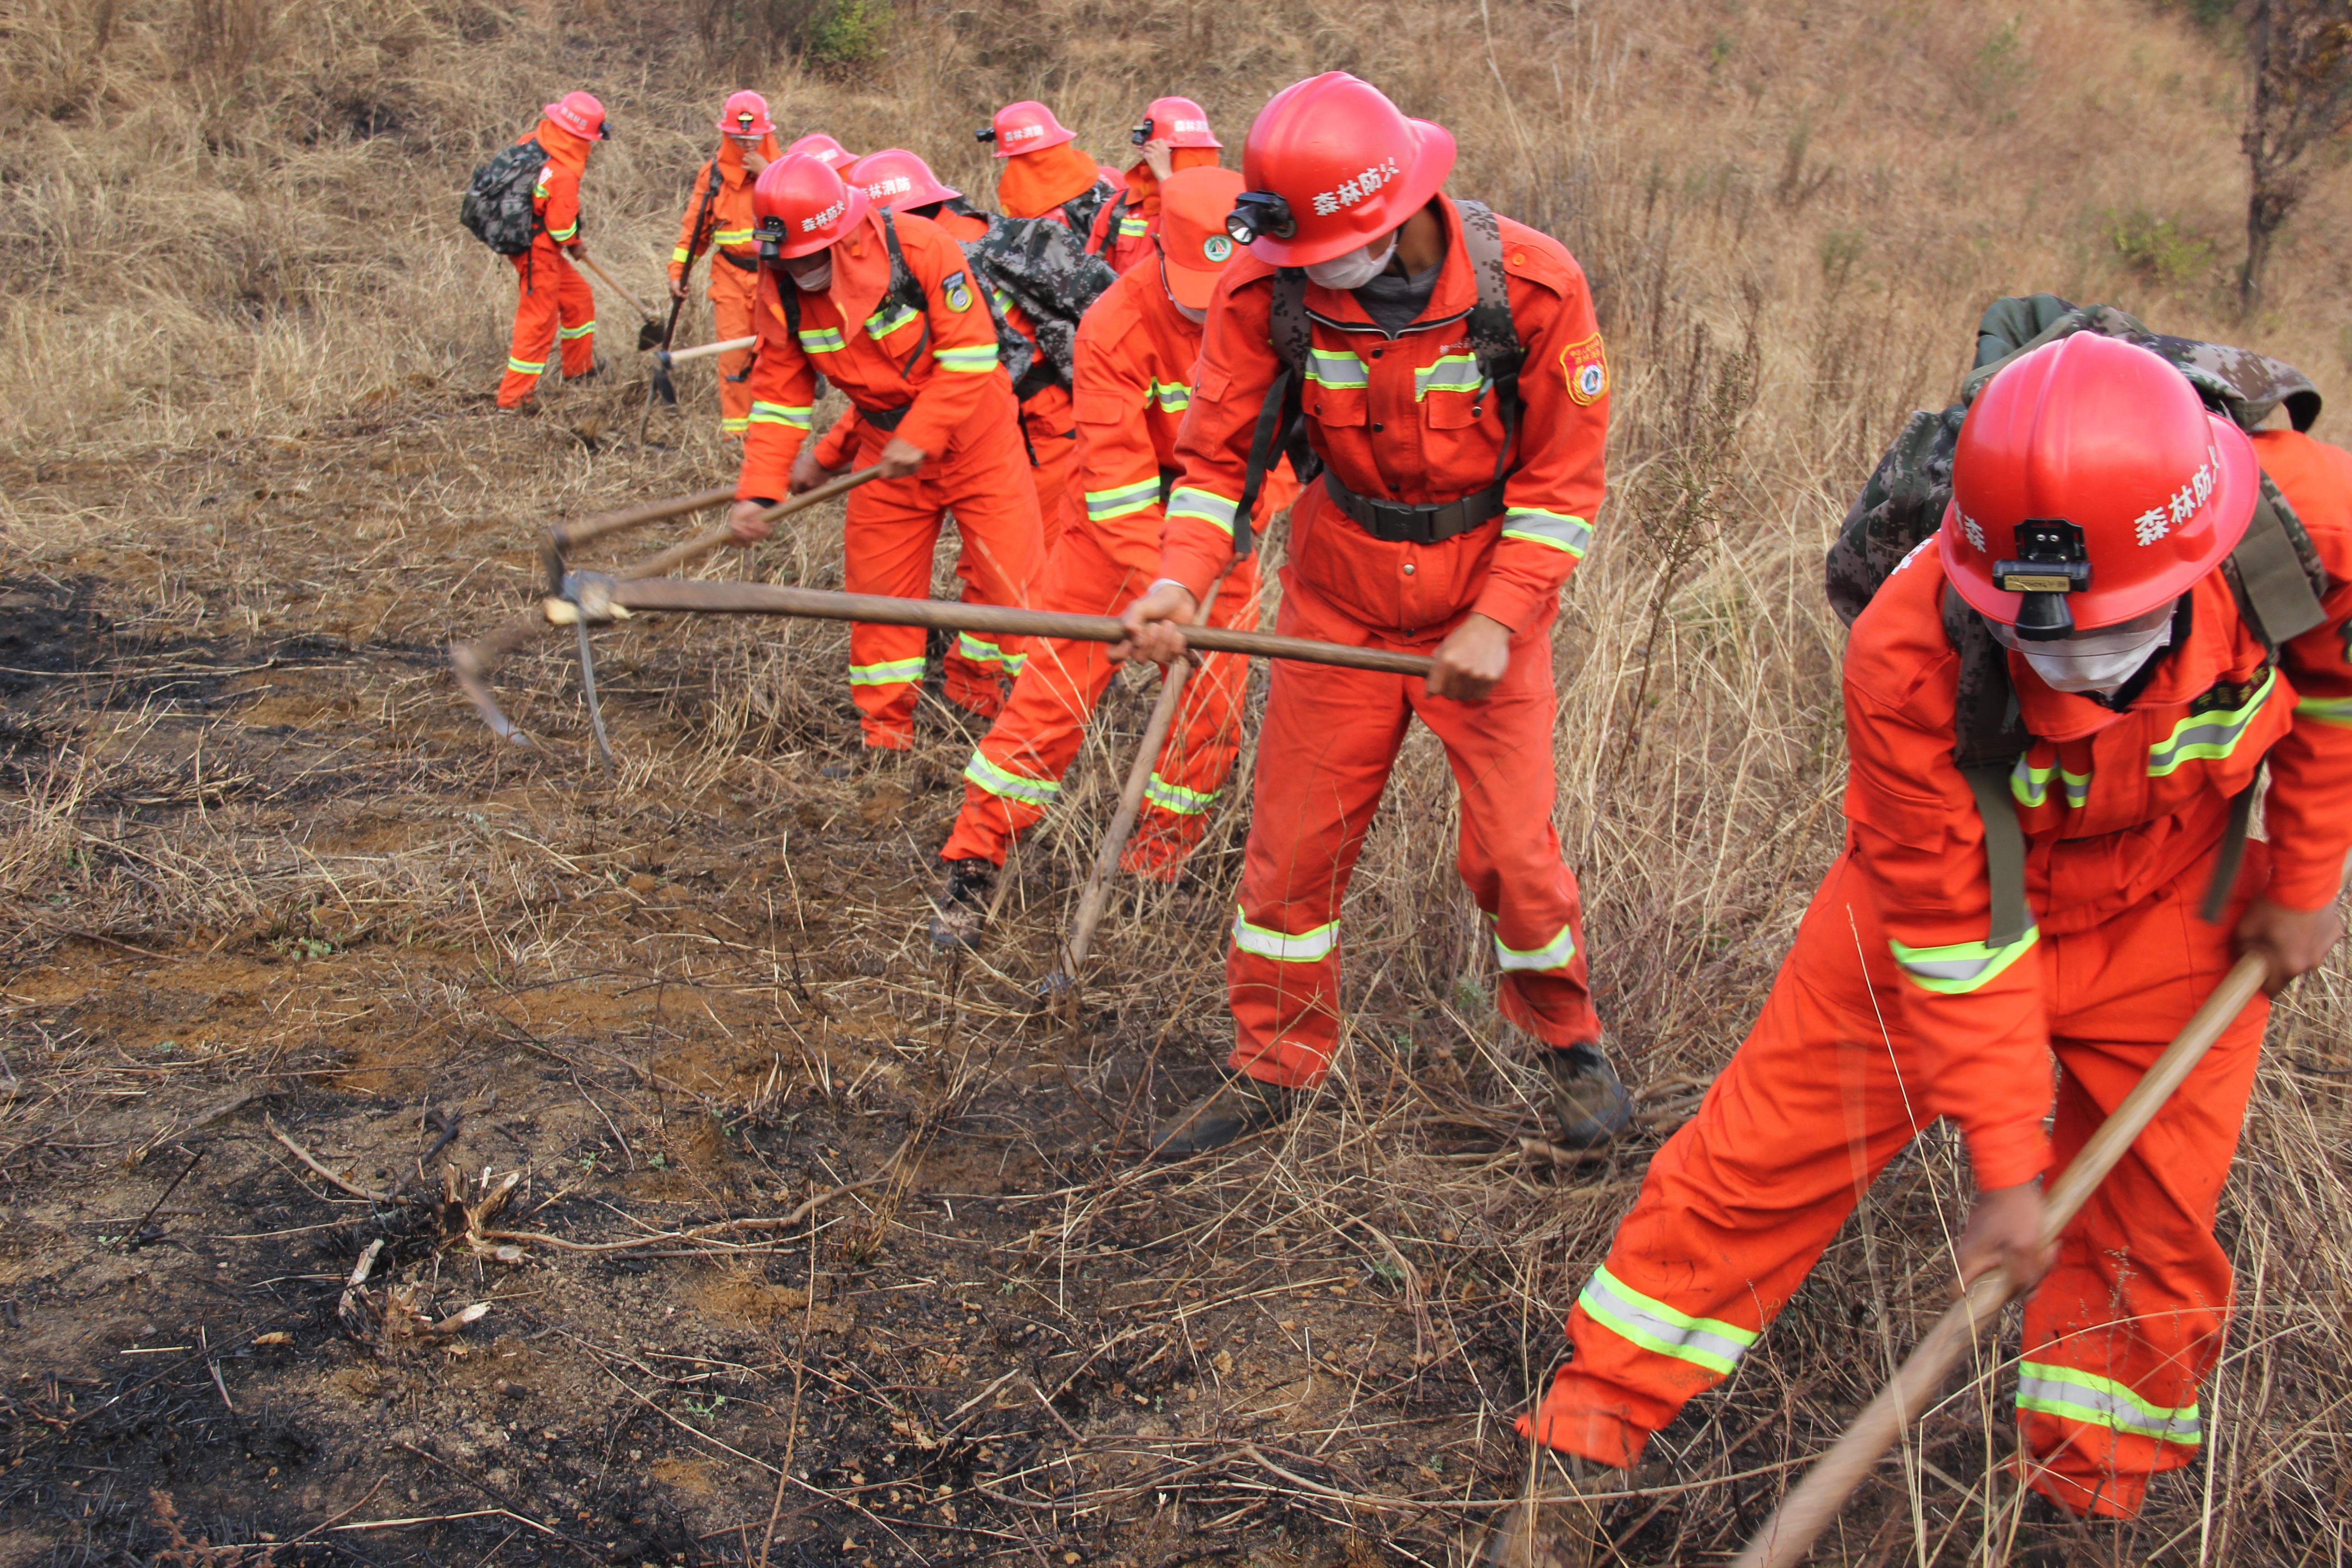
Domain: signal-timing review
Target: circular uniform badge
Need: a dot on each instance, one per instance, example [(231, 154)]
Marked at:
[(1216, 248)]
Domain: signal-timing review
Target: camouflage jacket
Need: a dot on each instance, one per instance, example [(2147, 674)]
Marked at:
[(1082, 208), (1043, 268)]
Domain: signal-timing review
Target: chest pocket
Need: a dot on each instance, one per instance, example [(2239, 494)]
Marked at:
[(1098, 405), (1453, 393), (1339, 387)]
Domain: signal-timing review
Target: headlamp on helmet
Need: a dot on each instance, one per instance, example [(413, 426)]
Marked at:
[(769, 235), (1259, 213), (2049, 565), (985, 133), (1142, 132)]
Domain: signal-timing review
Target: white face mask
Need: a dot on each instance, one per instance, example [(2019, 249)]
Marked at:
[(2094, 661), (815, 280), (1354, 269)]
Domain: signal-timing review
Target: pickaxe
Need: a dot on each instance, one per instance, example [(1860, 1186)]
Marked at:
[(649, 335)]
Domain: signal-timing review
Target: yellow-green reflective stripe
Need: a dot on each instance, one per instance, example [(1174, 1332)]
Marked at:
[(1003, 301), (882, 323), (560, 235), (983, 650), (2031, 785), (1173, 396), (1134, 227), (582, 331), (1177, 798), (1103, 505), (820, 340), (681, 254), (2337, 711), (540, 192), (733, 426), (1009, 786), (2208, 736), (1206, 505), (1557, 529), (980, 358), (1447, 372), (1551, 955), (895, 672), (2077, 786), (733, 237), (1284, 947), (1956, 970), (781, 414), (2096, 1401), (1654, 1326), (1342, 371), (524, 366)]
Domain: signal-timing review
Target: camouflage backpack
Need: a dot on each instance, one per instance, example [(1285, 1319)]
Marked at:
[(1041, 267), (498, 204), (2275, 572)]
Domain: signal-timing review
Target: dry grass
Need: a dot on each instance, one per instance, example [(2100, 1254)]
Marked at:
[(252, 486)]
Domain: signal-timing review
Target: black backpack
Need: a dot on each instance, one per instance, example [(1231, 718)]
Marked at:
[(497, 205), (2275, 573)]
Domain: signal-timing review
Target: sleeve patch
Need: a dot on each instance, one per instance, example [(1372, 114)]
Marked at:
[(1585, 366), (956, 290)]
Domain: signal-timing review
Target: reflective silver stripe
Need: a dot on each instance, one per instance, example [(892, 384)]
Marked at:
[(582, 331), (524, 366), (2031, 785), (2337, 711), (1654, 1326), (820, 340), (980, 649), (1173, 396), (1963, 966), (1551, 955), (1206, 505), (2077, 1395), (1303, 947), (968, 360), (1556, 529), (780, 414), (895, 672), (1010, 786), (1448, 372), (1104, 505), (1340, 371), (1177, 798), (883, 322), (2208, 736)]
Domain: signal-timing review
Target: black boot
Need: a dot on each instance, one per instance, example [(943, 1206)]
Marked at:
[(960, 908), (1239, 1106), (1588, 1106)]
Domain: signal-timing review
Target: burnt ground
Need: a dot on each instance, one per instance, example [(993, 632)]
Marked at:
[(792, 1242)]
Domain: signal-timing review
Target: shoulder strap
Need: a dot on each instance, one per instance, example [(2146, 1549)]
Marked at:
[(1988, 738), (2276, 571), (1494, 337), (1287, 327), (1281, 418), (906, 290)]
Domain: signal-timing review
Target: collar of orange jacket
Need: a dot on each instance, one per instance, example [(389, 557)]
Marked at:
[(1144, 185), (2220, 646), (1456, 289), (861, 269), (1034, 183), (564, 149)]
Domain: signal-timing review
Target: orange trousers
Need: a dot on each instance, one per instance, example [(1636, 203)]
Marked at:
[(976, 664), (1324, 753), (1015, 773), (555, 303), (730, 317), (1049, 424), (892, 531), (1740, 1204)]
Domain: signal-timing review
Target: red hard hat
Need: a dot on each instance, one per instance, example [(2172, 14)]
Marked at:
[(896, 178), (1180, 122), (1344, 161), (818, 145), (2091, 485), (582, 114), (804, 207), (1028, 126), (746, 114)]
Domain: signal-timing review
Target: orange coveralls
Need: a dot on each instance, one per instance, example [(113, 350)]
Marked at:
[(726, 233), (1123, 228), (1135, 357), (930, 376), (972, 674), (555, 302), (1404, 419), (2124, 814)]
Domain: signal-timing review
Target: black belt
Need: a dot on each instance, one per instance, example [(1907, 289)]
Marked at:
[(884, 418), (1397, 523), (744, 263)]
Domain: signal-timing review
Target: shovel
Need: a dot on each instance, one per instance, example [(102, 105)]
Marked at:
[(649, 335)]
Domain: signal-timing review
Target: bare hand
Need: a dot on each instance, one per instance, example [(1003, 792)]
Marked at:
[(1471, 660), (808, 473), (579, 250), (1156, 157), (899, 459), (678, 287), (2005, 1232), (749, 522), (753, 162), (2294, 941), (1155, 624)]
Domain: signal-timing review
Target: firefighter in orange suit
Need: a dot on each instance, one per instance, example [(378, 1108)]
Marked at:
[(886, 309), (1174, 134), (2089, 478), (1136, 352), (1043, 172), (555, 304), (717, 218), (1463, 459)]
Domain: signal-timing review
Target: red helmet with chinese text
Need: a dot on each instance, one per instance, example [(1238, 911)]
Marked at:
[(803, 206), (746, 114), (824, 149), (2091, 485), (896, 179), (1025, 127), (1178, 121), (1332, 165), (582, 114)]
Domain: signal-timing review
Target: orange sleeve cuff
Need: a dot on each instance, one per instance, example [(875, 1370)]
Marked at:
[(2304, 885), (2004, 1154), (1193, 554)]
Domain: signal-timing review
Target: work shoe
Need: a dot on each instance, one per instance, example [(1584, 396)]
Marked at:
[(961, 909), (1588, 1106), (1552, 1526), (1235, 1109)]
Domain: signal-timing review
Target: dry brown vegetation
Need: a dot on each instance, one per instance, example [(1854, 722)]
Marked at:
[(264, 887)]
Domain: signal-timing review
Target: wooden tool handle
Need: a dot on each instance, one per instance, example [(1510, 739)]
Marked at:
[(571, 536), (1814, 1501), (613, 284), (703, 350)]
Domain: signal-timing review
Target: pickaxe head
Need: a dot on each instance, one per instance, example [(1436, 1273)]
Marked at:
[(663, 389), (649, 335)]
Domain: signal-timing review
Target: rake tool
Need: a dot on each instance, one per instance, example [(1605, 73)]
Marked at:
[(470, 663), (1810, 1506), (649, 335)]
